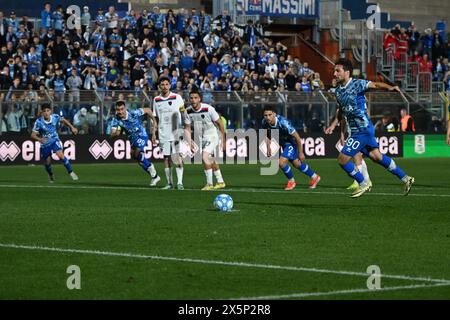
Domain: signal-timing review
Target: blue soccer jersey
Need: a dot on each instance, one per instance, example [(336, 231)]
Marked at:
[(353, 105), (48, 129), (285, 130), (133, 127)]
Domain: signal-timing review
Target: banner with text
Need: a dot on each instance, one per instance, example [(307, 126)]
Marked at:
[(288, 8)]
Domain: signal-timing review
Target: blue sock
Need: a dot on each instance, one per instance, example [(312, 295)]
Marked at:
[(304, 168), (288, 172), (389, 164), (48, 168), (67, 165), (144, 162), (350, 168)]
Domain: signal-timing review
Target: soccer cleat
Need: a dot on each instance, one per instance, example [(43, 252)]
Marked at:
[(408, 185), (180, 186), (73, 176), (208, 187), (353, 186), (51, 178), (360, 190), (155, 181), (290, 185), (220, 185), (167, 187), (313, 183)]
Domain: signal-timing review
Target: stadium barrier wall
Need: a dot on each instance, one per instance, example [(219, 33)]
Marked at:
[(21, 150), (425, 146)]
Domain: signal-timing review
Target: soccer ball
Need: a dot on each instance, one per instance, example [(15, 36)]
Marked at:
[(223, 202)]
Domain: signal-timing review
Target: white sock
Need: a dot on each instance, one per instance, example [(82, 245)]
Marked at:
[(209, 176), (152, 171), (218, 175), (180, 175), (364, 171), (360, 169), (168, 172)]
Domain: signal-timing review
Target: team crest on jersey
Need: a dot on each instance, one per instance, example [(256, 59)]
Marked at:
[(170, 103)]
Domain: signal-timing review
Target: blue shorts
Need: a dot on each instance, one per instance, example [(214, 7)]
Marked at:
[(46, 151), (290, 151), (363, 142), (139, 143)]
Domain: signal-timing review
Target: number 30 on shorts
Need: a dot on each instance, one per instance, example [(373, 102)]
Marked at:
[(352, 143)]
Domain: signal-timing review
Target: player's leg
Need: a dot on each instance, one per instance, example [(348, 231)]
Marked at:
[(67, 164), (305, 169), (177, 160), (210, 145), (207, 165), (138, 153), (167, 152), (179, 168), (392, 167), (362, 167), (354, 145), (49, 169), (283, 162)]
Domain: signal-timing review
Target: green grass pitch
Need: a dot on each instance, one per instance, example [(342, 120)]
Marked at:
[(132, 242)]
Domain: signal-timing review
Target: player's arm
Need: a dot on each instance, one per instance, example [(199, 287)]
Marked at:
[(448, 132), (337, 118), (149, 113), (222, 133), (301, 155), (67, 123), (383, 86), (35, 137)]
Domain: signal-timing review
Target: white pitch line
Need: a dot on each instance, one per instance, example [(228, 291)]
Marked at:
[(247, 190), (342, 292), (216, 262)]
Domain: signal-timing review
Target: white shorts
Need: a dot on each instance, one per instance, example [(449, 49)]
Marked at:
[(209, 144), (169, 148)]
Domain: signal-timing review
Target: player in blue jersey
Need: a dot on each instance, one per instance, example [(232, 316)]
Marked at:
[(130, 121), (352, 102), (292, 149), (45, 131)]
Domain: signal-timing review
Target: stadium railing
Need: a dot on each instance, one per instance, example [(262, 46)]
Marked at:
[(307, 111)]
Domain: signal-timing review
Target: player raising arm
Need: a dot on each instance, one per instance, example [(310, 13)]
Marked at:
[(131, 122), (351, 98), (205, 120), (292, 148), (45, 131)]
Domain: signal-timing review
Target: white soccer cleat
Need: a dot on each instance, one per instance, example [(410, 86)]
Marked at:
[(74, 176), (408, 184), (155, 181), (167, 187), (361, 190), (51, 178)]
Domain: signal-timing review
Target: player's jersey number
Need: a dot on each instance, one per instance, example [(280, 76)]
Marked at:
[(352, 143)]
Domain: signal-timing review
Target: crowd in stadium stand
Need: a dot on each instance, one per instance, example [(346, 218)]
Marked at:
[(430, 49), (110, 52)]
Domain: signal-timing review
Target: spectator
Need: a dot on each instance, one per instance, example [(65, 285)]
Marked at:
[(85, 19), (425, 65), (13, 116), (92, 120), (214, 68), (407, 122), (80, 121), (413, 39), (427, 42), (251, 33), (46, 16), (305, 85), (318, 85), (437, 46)]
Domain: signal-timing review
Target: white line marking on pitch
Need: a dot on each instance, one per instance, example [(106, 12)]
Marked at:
[(216, 262), (221, 190), (342, 292)]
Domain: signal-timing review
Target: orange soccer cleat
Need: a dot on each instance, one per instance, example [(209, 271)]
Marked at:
[(290, 185), (313, 183)]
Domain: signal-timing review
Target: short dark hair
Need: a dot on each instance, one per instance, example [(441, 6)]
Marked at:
[(196, 91), (163, 78), (346, 64), (269, 108), (46, 106), (120, 103)]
